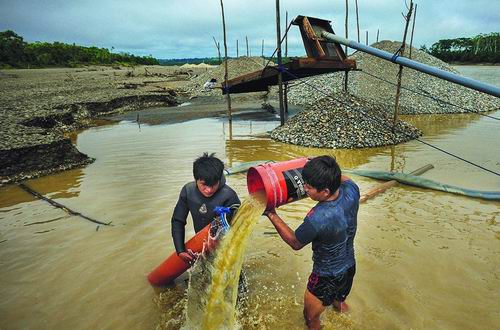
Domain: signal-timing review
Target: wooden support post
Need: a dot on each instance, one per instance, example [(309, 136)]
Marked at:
[(377, 34), (263, 59), (217, 45), (400, 73), (413, 28), (346, 75), (280, 75), (228, 95), (357, 18), (246, 38), (286, 34), (285, 97)]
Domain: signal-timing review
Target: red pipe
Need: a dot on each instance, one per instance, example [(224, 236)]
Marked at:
[(174, 266)]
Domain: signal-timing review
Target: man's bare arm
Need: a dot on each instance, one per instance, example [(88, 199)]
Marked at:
[(286, 233)]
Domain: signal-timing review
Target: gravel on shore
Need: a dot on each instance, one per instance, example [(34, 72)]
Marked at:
[(236, 67), (454, 98), (344, 122), (38, 106)]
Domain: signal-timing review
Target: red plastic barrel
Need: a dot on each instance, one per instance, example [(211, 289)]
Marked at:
[(282, 182), (174, 266)]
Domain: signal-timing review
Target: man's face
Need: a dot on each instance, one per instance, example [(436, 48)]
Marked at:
[(315, 194), (205, 189)]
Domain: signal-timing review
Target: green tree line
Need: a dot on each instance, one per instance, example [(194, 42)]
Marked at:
[(16, 53), (483, 48)]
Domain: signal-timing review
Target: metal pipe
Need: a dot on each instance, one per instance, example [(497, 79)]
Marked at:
[(464, 81)]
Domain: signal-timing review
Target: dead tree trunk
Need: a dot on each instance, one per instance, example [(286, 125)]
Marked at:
[(377, 34), (228, 96), (217, 45), (237, 49), (400, 73), (248, 54)]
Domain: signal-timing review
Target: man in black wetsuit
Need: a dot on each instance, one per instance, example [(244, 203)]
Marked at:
[(200, 198)]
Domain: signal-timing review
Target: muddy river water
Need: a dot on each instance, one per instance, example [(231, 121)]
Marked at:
[(425, 259)]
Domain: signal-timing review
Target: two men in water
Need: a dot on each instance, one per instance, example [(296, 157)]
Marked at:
[(330, 226), (200, 198)]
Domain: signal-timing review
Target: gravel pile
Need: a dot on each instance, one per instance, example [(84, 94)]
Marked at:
[(383, 93), (345, 122), (236, 67)]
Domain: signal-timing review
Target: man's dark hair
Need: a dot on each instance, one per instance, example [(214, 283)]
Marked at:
[(322, 172), (208, 168), (213, 80)]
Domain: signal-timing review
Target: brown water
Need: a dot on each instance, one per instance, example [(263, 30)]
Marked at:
[(425, 258)]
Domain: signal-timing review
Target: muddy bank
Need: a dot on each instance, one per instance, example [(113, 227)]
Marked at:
[(38, 107)]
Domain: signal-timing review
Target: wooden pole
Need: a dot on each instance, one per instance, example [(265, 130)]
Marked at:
[(280, 75), (228, 96), (61, 206), (217, 45), (286, 36), (346, 22), (367, 37), (263, 59), (413, 27), (346, 75), (357, 18), (400, 73), (386, 185), (377, 34), (247, 46), (237, 49)]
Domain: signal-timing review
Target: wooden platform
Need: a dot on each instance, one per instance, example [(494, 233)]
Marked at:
[(323, 57), (259, 81)]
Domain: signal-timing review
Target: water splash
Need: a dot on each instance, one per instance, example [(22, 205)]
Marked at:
[(223, 290)]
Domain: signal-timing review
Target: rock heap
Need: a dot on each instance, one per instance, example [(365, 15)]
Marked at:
[(345, 121), (236, 68), (429, 90)]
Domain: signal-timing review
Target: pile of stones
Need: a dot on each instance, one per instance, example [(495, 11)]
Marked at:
[(377, 79), (236, 67), (344, 121)]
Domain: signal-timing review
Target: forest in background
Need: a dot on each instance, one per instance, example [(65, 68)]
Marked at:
[(16, 53), (483, 48)]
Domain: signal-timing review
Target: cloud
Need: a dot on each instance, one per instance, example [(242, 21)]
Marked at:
[(174, 28)]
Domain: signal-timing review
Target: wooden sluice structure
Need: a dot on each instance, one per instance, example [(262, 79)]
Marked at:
[(322, 57)]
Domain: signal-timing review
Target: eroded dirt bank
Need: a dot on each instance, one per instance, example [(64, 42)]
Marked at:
[(38, 107)]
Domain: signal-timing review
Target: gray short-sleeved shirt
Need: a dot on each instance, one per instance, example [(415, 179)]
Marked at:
[(331, 227)]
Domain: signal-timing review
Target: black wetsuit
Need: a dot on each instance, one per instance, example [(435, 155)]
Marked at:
[(201, 208)]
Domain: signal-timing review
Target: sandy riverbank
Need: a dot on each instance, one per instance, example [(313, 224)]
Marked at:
[(39, 106)]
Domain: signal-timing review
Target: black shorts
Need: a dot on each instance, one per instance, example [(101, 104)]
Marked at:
[(330, 288)]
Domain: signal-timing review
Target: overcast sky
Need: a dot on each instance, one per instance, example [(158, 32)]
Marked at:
[(184, 28)]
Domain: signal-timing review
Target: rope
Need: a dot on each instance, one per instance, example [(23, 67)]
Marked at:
[(429, 96), (281, 41), (385, 124)]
